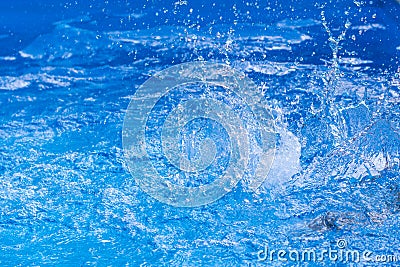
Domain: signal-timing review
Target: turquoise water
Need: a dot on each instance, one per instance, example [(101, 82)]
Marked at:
[(327, 71)]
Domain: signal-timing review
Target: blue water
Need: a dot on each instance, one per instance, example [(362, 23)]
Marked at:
[(68, 70)]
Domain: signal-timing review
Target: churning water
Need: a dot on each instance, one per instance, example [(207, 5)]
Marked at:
[(326, 72)]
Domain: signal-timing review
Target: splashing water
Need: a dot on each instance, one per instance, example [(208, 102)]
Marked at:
[(67, 197)]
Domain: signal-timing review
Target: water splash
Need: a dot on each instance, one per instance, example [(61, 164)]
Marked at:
[(330, 109), (64, 186)]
